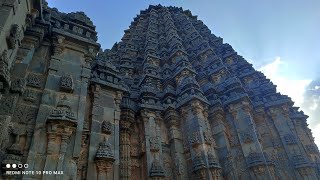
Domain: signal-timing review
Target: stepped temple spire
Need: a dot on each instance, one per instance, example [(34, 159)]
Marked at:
[(170, 101)]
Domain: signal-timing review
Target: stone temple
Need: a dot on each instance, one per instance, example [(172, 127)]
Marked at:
[(170, 101)]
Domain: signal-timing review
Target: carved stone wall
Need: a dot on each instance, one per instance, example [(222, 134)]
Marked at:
[(169, 101)]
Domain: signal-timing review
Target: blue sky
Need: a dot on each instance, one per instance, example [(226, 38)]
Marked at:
[(279, 37)]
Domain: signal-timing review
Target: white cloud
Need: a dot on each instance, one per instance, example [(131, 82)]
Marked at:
[(295, 88), (292, 87)]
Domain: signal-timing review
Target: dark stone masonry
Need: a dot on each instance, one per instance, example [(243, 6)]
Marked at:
[(169, 101)]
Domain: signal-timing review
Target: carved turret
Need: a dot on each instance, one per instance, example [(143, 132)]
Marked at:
[(63, 113)]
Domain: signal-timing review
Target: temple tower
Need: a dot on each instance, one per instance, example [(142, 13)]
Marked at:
[(170, 101)]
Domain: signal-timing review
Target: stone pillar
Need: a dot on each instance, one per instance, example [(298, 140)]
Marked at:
[(176, 145), (56, 151), (105, 124), (103, 170), (293, 148), (63, 149), (153, 145), (4, 71), (198, 142), (247, 135), (126, 119), (217, 122)]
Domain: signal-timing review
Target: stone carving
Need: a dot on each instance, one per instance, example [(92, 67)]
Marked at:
[(66, 83), (195, 139), (24, 114), (105, 151), (135, 162), (186, 145), (7, 105), (207, 138), (254, 159), (30, 95), (4, 69), (13, 39), (35, 80), (167, 62), (81, 16), (167, 168), (154, 144), (198, 165), (156, 169), (30, 18), (312, 149), (290, 139), (63, 112), (106, 127), (212, 161), (18, 85), (5, 131), (247, 135), (179, 166)]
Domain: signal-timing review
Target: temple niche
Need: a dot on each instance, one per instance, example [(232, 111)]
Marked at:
[(170, 101)]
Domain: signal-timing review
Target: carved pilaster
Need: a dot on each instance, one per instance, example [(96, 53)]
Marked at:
[(126, 119), (65, 137), (214, 166), (89, 56), (4, 70), (117, 100), (51, 143), (5, 130), (58, 45), (103, 169)]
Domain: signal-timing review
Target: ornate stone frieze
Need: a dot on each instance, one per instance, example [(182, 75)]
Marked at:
[(63, 112), (35, 80), (66, 83), (106, 127)]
